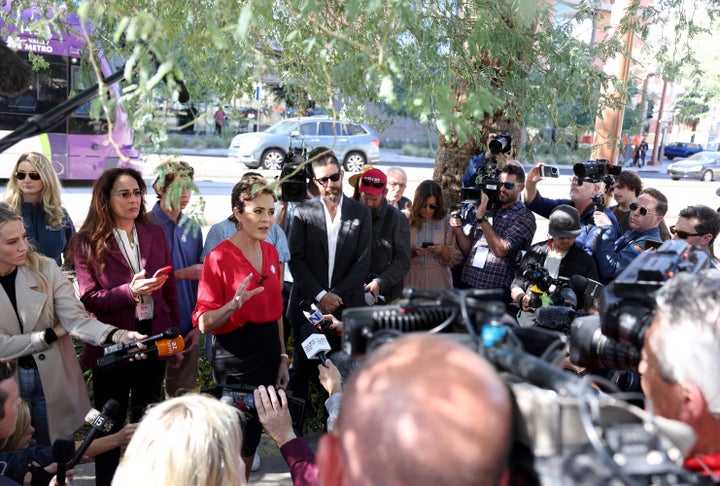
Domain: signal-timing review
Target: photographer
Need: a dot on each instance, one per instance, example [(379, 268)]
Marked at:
[(680, 363), (559, 255), (582, 191), (494, 249), (646, 214)]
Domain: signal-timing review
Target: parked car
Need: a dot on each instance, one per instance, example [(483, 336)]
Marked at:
[(704, 166), (681, 149), (354, 144)]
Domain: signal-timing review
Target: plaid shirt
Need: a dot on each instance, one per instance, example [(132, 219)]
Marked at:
[(516, 225)]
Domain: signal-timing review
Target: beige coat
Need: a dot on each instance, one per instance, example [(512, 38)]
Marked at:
[(62, 380)]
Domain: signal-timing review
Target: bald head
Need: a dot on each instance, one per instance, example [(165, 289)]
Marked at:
[(423, 410)]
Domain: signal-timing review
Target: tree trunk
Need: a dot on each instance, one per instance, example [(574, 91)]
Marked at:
[(451, 161)]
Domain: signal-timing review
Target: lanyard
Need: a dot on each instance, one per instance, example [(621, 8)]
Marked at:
[(135, 263)]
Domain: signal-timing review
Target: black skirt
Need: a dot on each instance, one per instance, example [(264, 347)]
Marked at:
[(249, 355)]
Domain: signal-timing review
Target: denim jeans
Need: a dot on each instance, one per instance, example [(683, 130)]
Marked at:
[(31, 390)]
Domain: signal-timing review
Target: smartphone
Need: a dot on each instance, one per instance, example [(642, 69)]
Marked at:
[(550, 171), (163, 271), (427, 243)]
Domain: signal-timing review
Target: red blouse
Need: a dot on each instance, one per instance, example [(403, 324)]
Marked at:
[(224, 270)]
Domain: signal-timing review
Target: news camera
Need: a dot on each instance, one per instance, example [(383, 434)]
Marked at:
[(487, 175), (595, 171), (566, 431), (545, 290), (294, 172), (615, 338)]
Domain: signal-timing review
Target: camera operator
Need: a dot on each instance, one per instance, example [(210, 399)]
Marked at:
[(680, 363), (646, 214), (698, 225), (493, 250), (560, 255), (581, 198)]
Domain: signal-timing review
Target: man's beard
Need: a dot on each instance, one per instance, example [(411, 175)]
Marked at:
[(333, 198)]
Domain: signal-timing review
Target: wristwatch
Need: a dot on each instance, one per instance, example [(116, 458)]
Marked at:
[(483, 219)]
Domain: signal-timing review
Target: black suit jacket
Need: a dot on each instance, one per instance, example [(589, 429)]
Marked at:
[(309, 256)]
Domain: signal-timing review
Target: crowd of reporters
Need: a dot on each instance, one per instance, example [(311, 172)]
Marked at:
[(344, 253)]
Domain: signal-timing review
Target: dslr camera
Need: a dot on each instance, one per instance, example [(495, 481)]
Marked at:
[(294, 173), (487, 176), (595, 171)]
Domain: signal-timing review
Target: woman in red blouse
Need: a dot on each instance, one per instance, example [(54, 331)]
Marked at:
[(240, 302)]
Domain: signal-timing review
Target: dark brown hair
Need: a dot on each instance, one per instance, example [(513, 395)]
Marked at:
[(425, 191)]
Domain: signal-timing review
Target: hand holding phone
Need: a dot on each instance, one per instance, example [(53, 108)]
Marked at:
[(550, 171), (163, 271)]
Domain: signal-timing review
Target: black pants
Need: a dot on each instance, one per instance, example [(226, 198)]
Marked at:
[(135, 386)]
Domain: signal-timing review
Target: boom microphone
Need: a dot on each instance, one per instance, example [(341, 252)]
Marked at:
[(122, 348), (62, 453), (164, 348), (17, 74), (556, 318), (99, 422)]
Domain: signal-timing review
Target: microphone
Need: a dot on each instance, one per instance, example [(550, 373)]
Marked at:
[(99, 422), (314, 343), (17, 74), (62, 453), (313, 315), (169, 333), (164, 348), (556, 318)]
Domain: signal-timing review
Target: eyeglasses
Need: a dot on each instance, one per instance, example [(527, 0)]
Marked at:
[(376, 183), (579, 181), (683, 235), (431, 206), (508, 185), (397, 184), (20, 175), (324, 180), (643, 211), (127, 194)]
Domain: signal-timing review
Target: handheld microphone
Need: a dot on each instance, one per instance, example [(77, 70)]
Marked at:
[(169, 333), (314, 343), (62, 453), (99, 422), (164, 348), (556, 318), (313, 315)]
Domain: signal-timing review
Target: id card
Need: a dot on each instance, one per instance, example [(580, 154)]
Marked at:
[(142, 312), (481, 255)]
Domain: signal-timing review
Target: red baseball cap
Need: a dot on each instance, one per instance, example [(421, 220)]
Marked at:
[(373, 182)]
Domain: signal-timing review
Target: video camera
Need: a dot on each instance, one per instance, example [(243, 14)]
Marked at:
[(487, 175), (615, 338), (294, 172), (545, 290), (595, 171), (566, 431)]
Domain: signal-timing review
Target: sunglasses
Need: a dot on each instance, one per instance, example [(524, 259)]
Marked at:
[(508, 185), (324, 180), (127, 194), (683, 235), (578, 180), (431, 206), (377, 184), (643, 211), (20, 175)]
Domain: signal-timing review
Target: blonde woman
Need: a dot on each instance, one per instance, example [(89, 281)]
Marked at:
[(185, 441), (33, 191), (39, 309)]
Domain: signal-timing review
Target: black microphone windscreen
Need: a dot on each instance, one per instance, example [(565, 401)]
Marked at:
[(184, 94), (171, 333), (17, 74), (579, 283), (556, 317), (63, 450), (110, 408)]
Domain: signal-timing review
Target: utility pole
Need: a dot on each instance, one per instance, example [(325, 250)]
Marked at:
[(656, 144)]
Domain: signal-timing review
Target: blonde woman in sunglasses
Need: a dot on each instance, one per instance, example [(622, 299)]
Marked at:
[(34, 192)]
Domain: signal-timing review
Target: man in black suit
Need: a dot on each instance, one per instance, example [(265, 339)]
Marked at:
[(330, 240)]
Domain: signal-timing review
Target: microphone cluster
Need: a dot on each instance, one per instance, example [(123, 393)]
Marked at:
[(167, 343)]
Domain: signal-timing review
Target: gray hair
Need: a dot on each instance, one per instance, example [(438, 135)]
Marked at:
[(688, 312), (397, 169)]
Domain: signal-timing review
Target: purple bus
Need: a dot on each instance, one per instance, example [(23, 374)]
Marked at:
[(78, 146)]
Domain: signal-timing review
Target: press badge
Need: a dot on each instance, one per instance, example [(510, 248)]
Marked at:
[(142, 312), (480, 257)]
